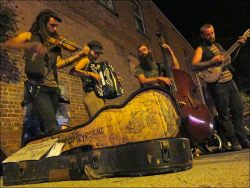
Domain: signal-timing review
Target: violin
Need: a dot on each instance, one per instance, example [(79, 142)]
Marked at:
[(68, 45), (65, 43), (60, 41)]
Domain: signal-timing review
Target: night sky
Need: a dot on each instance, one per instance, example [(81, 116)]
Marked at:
[(229, 17)]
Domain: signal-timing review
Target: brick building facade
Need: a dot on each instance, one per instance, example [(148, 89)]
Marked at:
[(119, 25)]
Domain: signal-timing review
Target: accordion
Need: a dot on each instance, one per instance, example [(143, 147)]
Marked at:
[(109, 86)]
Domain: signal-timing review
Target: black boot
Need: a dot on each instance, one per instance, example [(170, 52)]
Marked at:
[(245, 143), (235, 145)]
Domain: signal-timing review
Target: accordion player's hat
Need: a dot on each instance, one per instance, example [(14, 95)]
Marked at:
[(96, 46)]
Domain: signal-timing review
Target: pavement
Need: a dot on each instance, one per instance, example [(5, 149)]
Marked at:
[(228, 169)]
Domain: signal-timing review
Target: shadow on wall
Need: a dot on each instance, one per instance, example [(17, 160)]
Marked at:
[(9, 71), (132, 62)]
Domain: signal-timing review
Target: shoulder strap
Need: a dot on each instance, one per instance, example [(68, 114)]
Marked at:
[(50, 65)]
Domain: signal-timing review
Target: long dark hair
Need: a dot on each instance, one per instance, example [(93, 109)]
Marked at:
[(39, 26)]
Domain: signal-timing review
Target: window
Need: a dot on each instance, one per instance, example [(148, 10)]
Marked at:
[(138, 16), (107, 3)]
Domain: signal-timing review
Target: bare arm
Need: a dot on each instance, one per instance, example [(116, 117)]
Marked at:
[(80, 66), (197, 65), (18, 42), (175, 63), (150, 81), (21, 41), (61, 63)]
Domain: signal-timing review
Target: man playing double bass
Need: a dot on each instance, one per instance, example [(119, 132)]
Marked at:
[(224, 91), (148, 72)]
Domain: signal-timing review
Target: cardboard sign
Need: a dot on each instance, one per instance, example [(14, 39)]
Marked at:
[(35, 151)]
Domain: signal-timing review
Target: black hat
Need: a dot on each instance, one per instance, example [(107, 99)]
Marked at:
[(96, 46), (49, 13)]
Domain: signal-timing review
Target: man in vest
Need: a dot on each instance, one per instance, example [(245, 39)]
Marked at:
[(224, 91), (42, 58)]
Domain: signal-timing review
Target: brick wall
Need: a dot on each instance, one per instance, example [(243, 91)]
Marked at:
[(83, 21)]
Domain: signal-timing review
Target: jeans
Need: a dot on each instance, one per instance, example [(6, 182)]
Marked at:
[(31, 124), (229, 107), (41, 115)]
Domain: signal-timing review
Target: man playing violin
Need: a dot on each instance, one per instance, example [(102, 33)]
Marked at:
[(42, 58), (224, 91), (148, 71)]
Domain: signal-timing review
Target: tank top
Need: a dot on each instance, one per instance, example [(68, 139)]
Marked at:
[(216, 49)]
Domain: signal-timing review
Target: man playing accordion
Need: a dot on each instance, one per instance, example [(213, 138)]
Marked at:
[(99, 79)]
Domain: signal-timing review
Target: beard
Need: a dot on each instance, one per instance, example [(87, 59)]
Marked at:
[(146, 62), (209, 41), (54, 35)]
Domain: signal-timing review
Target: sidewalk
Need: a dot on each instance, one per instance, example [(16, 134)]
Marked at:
[(229, 169)]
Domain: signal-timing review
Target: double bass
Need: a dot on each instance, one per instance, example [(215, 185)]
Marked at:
[(197, 121)]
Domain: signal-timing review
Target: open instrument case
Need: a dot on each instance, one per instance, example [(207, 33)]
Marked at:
[(133, 159), (138, 137)]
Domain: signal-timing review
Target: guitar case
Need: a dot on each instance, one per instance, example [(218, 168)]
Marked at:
[(83, 163)]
